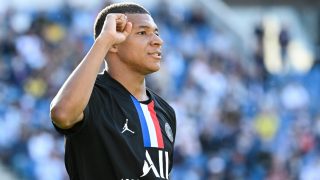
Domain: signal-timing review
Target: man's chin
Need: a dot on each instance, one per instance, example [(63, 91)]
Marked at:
[(152, 70)]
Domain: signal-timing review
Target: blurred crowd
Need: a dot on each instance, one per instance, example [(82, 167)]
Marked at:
[(235, 120)]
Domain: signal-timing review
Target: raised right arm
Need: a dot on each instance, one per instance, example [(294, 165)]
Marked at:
[(66, 108)]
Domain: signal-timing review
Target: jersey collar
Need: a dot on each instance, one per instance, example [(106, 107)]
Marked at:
[(105, 80)]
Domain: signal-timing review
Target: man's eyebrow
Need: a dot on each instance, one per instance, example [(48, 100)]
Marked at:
[(147, 27)]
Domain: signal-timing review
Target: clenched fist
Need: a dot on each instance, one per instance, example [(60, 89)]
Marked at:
[(116, 28)]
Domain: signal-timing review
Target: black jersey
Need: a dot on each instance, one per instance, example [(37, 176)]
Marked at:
[(120, 137)]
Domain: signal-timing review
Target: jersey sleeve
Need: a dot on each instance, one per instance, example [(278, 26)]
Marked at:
[(174, 123), (87, 115)]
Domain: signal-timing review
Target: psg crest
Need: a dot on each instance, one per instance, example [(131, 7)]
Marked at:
[(169, 132)]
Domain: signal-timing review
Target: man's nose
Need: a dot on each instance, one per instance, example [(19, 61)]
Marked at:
[(156, 40)]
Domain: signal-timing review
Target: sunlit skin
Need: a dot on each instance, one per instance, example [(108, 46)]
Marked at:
[(141, 51), (132, 47)]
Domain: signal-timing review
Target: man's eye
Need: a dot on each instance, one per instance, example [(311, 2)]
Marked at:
[(157, 33), (141, 33)]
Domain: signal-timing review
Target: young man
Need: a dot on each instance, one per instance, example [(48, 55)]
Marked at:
[(115, 127)]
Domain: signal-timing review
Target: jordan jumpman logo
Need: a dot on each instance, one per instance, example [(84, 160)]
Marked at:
[(125, 127)]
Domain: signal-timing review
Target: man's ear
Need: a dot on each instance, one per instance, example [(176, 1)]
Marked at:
[(113, 48)]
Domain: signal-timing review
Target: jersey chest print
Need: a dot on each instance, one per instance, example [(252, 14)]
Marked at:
[(152, 138)]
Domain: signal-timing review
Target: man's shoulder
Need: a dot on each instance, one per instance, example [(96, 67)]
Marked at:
[(168, 110), (160, 100), (105, 83), (103, 86), (101, 92), (101, 80)]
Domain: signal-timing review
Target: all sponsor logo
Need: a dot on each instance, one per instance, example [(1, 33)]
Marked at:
[(149, 166)]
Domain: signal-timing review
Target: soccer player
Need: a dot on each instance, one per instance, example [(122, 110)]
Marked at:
[(115, 127)]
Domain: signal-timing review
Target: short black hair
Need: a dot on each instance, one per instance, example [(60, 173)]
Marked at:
[(124, 8)]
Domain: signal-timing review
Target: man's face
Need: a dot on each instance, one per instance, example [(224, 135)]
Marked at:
[(141, 51)]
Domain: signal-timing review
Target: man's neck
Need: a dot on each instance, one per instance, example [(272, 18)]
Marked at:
[(133, 82)]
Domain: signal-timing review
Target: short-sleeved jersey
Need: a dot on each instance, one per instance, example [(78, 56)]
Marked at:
[(120, 137)]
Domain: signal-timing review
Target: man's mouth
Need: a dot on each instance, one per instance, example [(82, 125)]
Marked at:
[(156, 54)]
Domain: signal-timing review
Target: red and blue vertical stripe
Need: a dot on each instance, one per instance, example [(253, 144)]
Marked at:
[(152, 136)]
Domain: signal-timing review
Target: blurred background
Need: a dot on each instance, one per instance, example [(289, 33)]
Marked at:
[(243, 77)]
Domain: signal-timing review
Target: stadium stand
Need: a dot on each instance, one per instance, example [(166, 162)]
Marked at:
[(239, 117)]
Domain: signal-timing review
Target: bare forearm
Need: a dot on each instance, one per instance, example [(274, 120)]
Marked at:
[(67, 106), (74, 95)]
